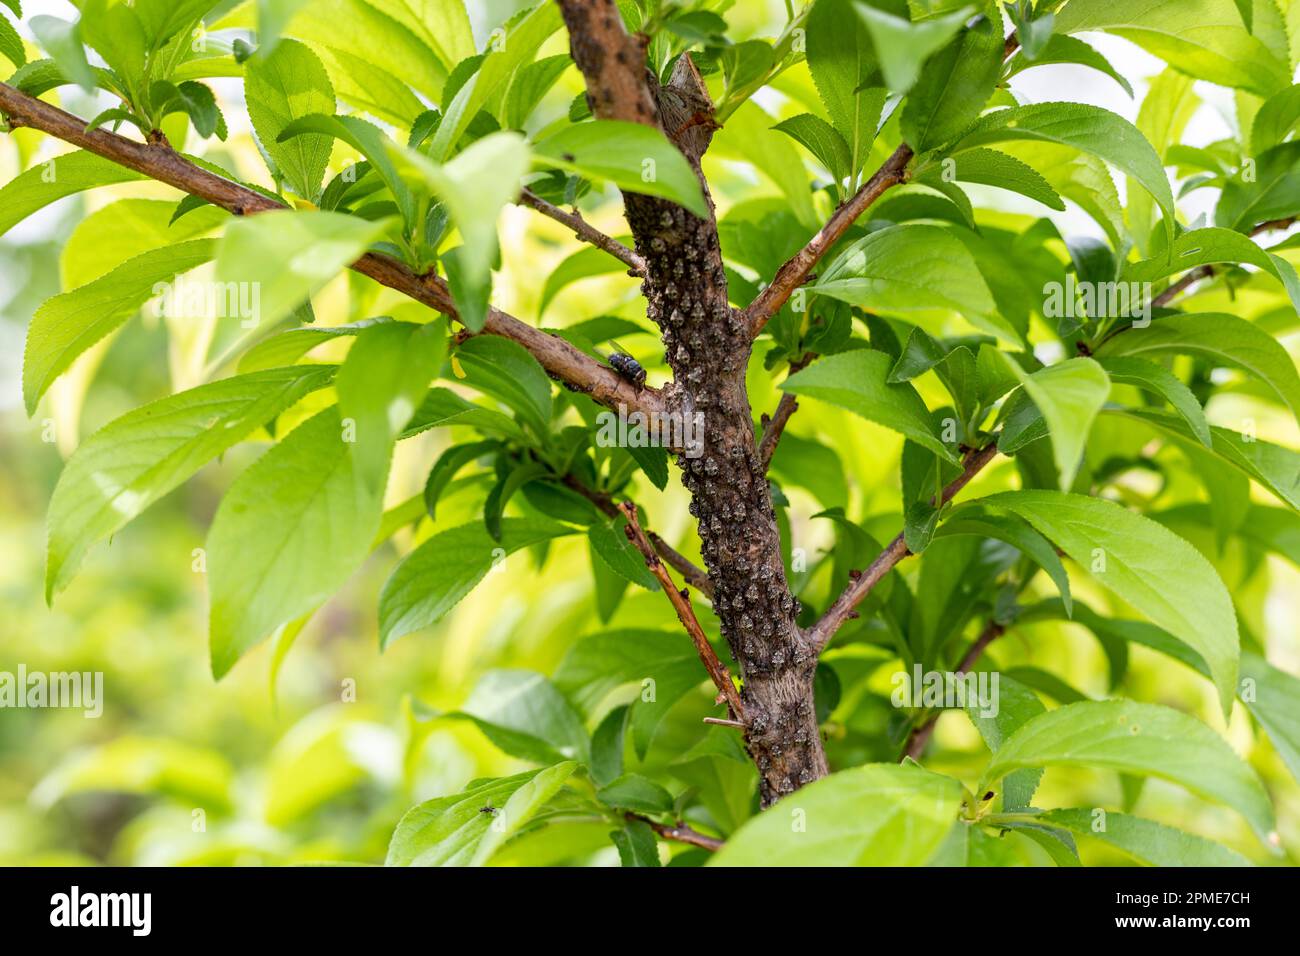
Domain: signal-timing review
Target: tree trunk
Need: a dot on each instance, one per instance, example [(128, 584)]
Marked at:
[(707, 344)]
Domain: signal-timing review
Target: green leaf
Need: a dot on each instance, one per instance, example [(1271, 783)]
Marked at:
[(433, 578), (1160, 381), (902, 46), (286, 348), (133, 461), (62, 41), (989, 167), (372, 143), (1067, 49), (1144, 739), (822, 140), (1069, 395), (1016, 706), (1088, 128), (11, 44), (380, 385), (1020, 536), (842, 63), (632, 156), (857, 381), (1221, 338), (954, 86), (632, 791), (1273, 192), (475, 187), (524, 715), (68, 324), (1271, 695), (663, 663), (1275, 120), (287, 534), (506, 371), (583, 264), (445, 468), (913, 269), (877, 815), (1211, 246), (443, 25), (1273, 466), (459, 831), (520, 43), (612, 546), (288, 256), (65, 175), (1202, 38), (636, 844), (289, 84), (1147, 565), (1150, 843)]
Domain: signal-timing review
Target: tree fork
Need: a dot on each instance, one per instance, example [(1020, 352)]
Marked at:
[(707, 344)]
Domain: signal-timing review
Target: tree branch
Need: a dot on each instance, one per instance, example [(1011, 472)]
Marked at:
[(920, 735), (774, 427), (681, 604), (691, 573), (843, 608), (585, 231), (159, 162), (795, 272), (680, 832)]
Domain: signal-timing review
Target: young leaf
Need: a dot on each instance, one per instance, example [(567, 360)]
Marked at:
[(288, 84), (857, 381), (913, 268), (877, 815), (286, 257), (286, 535), (1088, 128), (381, 384), (1144, 563), (68, 324), (133, 461), (1145, 739), (475, 187), (459, 830), (632, 156), (1069, 396), (433, 578), (902, 46), (65, 175), (1219, 337), (1160, 381), (1146, 841)]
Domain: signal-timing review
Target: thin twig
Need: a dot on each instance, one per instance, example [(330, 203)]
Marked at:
[(843, 608), (160, 162), (920, 735), (774, 427), (691, 573), (585, 231), (795, 271), (685, 613), (680, 833)]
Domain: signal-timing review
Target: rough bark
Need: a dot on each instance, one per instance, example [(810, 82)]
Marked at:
[(707, 345)]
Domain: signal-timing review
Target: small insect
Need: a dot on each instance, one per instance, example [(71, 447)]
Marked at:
[(628, 369), (488, 808)]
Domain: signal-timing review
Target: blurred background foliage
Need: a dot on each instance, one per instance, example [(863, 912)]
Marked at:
[(314, 758)]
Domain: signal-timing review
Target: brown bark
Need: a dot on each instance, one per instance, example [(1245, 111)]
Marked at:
[(707, 344)]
